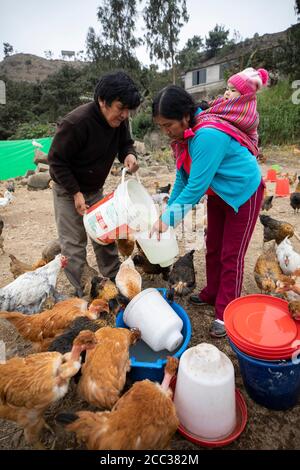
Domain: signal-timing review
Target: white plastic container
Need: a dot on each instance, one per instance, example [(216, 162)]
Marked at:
[(205, 392), (163, 251), (123, 211), (159, 325)]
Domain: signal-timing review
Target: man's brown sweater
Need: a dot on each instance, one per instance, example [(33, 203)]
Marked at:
[(84, 148)]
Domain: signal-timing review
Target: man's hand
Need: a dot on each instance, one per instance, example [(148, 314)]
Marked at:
[(80, 204), (131, 163), (158, 228)]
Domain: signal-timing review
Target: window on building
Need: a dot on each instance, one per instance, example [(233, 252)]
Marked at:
[(222, 69), (199, 76)]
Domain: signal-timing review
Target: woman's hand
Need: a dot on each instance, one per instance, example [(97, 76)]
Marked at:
[(131, 163), (80, 204), (159, 227)]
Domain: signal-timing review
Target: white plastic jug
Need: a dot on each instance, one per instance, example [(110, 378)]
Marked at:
[(205, 392), (160, 326), (163, 251), (123, 211)]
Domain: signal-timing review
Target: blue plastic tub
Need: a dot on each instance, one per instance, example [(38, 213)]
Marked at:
[(273, 384), (148, 364)]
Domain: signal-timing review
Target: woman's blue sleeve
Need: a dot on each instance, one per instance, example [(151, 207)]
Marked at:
[(207, 150), (177, 188)]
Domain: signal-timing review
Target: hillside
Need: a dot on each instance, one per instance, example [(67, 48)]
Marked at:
[(31, 68)]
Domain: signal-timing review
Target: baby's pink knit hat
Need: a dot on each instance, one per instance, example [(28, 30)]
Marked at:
[(249, 80)]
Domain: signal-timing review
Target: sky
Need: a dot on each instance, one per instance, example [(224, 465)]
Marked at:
[(34, 26)]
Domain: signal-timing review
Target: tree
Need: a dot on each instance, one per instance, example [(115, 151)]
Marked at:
[(297, 9), (216, 39), (116, 42), (164, 19), (188, 57), (7, 49)]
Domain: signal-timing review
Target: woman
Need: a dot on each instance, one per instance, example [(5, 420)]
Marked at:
[(212, 161)]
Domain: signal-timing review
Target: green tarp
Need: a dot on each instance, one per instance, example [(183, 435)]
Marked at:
[(16, 156)]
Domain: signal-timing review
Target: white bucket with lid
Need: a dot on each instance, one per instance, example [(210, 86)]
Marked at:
[(159, 325), (205, 392), (163, 251), (123, 211)]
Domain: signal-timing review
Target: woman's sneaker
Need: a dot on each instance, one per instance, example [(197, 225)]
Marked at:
[(196, 300), (217, 329)]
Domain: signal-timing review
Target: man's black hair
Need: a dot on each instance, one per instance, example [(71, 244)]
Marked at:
[(117, 86)]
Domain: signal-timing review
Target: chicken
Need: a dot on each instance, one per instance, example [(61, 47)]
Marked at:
[(87, 276), (43, 327), (27, 293), (267, 203), (161, 199), (63, 343), (275, 229), (182, 276), (267, 271), (105, 368), (290, 285), (294, 309), (6, 199), (288, 258), (162, 189), (144, 418), (115, 170), (128, 280), (18, 267), (51, 250), (140, 260), (103, 288), (10, 186), (126, 245), (262, 158), (295, 197), (29, 385)]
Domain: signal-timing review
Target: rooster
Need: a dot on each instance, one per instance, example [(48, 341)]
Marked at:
[(29, 385), (144, 418), (28, 292)]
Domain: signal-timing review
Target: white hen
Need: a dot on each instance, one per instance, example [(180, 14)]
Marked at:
[(288, 258), (28, 292), (8, 197), (128, 279)]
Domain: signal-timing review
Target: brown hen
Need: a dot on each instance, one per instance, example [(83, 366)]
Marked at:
[(144, 418), (105, 368), (29, 385)]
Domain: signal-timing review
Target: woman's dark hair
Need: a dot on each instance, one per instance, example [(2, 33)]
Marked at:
[(173, 102), (117, 86)]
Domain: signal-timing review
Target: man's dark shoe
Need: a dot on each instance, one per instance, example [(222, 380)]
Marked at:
[(217, 330), (196, 300)]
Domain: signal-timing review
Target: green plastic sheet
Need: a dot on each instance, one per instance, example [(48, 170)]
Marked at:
[(16, 156)]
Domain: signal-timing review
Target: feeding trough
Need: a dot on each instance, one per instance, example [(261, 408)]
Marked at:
[(147, 363)]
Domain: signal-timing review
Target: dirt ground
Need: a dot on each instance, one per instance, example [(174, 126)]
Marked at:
[(29, 225)]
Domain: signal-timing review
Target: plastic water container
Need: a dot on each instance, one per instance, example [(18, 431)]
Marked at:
[(159, 325), (205, 392), (163, 251), (129, 208)]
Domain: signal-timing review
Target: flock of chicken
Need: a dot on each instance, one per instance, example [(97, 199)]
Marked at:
[(277, 270), (77, 339)]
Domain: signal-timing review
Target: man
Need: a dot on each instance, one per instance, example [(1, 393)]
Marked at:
[(81, 155)]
